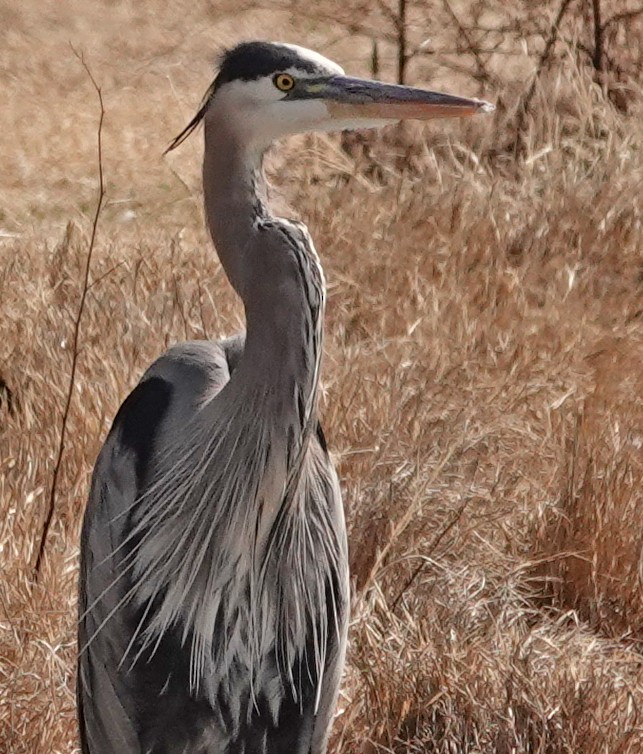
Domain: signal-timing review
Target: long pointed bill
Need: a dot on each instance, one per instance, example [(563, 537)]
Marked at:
[(350, 98)]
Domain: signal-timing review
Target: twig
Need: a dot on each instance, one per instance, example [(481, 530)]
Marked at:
[(100, 278), (6, 394), (523, 108), (397, 20), (399, 527), (388, 13), (482, 74), (618, 18), (402, 57), (76, 337), (457, 515), (598, 36)]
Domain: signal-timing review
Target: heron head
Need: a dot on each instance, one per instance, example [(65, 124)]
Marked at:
[(267, 90)]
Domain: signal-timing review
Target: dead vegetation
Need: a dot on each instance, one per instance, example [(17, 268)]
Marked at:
[(483, 370)]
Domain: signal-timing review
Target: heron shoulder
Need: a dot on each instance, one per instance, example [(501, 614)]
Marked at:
[(169, 392), (191, 363)]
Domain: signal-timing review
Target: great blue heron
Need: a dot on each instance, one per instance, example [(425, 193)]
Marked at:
[(214, 577)]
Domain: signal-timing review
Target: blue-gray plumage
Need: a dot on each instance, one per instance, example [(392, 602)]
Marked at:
[(214, 578)]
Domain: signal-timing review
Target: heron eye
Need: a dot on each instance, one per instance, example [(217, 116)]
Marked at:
[(284, 82)]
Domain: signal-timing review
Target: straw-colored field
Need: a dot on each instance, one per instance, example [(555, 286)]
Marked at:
[(483, 373)]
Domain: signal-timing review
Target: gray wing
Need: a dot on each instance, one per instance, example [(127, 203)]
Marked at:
[(168, 393), (144, 707)]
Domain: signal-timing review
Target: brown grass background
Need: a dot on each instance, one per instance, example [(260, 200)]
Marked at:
[(483, 372)]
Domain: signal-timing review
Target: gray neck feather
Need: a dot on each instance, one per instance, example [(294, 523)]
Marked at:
[(231, 504), (235, 196), (277, 275)]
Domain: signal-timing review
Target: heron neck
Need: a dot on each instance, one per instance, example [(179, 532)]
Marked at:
[(235, 197), (283, 313)]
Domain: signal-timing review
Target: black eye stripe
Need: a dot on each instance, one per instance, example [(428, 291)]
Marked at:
[(253, 60)]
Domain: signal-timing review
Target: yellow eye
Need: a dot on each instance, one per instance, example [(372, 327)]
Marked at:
[(284, 82)]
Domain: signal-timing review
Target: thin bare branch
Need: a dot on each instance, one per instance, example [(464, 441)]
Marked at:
[(482, 73), (402, 57), (618, 18), (457, 515), (525, 104), (51, 505), (598, 35)]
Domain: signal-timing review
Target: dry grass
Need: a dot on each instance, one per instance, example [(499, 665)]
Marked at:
[(483, 375)]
